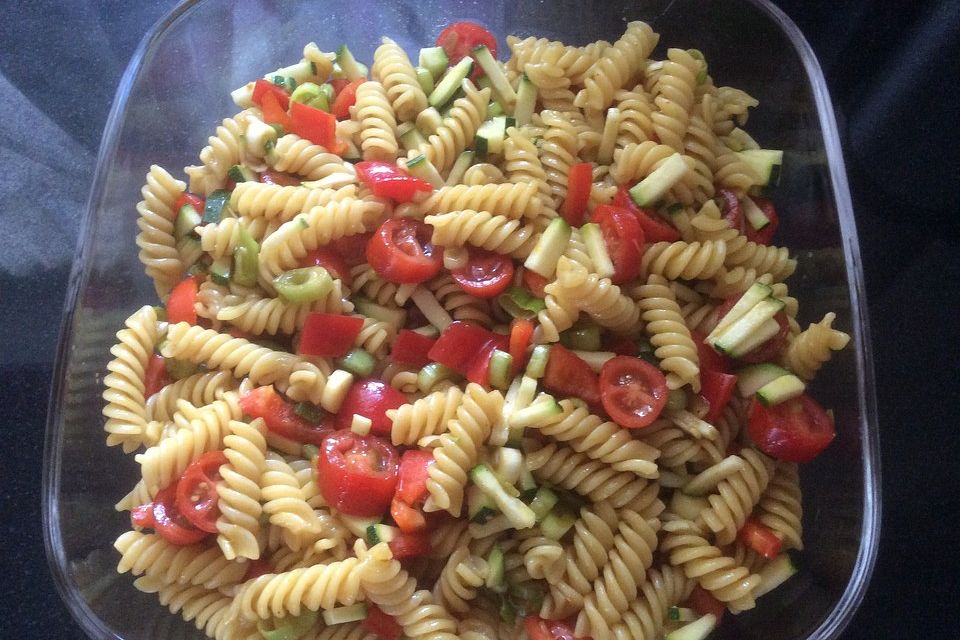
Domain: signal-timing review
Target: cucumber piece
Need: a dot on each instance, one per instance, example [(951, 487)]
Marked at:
[(306, 92), (480, 506), (501, 365), (766, 162), (650, 190), (496, 570), (743, 335), (425, 78), (754, 214), (356, 525), (243, 96), (349, 67), (422, 168), (520, 303), (597, 249), (519, 514), (396, 317), (309, 412), (495, 109), (583, 337), (246, 257), (537, 364), (310, 451), (220, 270), (286, 83), (187, 221), (508, 464), (341, 615), (780, 390), (754, 376), (288, 627), (490, 136), (377, 533), (543, 502), (551, 245), (431, 374), (358, 362), (450, 83), (215, 206), (537, 413), (434, 60), (775, 573), (757, 292), (527, 484), (558, 522), (681, 614), (300, 72), (493, 70), (697, 630), (526, 101), (179, 369), (609, 138), (410, 137), (361, 425), (459, 168), (240, 173)]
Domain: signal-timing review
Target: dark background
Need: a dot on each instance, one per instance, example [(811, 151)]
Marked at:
[(892, 73)]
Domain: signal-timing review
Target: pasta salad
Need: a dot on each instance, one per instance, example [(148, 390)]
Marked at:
[(469, 348)]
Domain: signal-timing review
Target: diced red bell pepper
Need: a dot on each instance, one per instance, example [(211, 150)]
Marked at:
[(569, 374), (654, 229), (535, 282), (387, 180), (579, 182), (411, 348), (479, 370), (716, 389), (409, 519), (708, 357), (274, 113), (410, 545), (459, 345), (180, 304), (328, 335), (380, 624), (263, 87), (521, 334), (315, 125), (760, 538), (192, 199), (346, 98), (412, 486), (704, 602), (155, 377)]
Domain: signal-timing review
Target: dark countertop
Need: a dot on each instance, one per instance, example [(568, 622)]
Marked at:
[(891, 79)]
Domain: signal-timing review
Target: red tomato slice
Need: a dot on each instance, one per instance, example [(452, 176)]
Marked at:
[(461, 38), (760, 538), (357, 474), (579, 182), (621, 346), (330, 260), (486, 275), (540, 629), (155, 377), (704, 602), (731, 210), (797, 430), (281, 417), (346, 98), (535, 282), (328, 335), (411, 348), (279, 178), (765, 235), (275, 113), (172, 525), (197, 202), (568, 374), (353, 248), (770, 349), (408, 519), (370, 398), (654, 228), (380, 624), (197, 496), (459, 345), (710, 360), (410, 545), (180, 304), (315, 125), (400, 251), (412, 488), (521, 335), (716, 389), (263, 88), (634, 392), (387, 180), (624, 238)]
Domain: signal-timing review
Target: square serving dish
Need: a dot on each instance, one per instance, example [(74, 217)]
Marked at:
[(177, 88)]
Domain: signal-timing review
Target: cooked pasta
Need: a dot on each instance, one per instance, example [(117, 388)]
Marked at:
[(239, 494), (485, 230), (156, 217), (616, 65), (669, 334), (457, 129), (814, 346), (378, 126), (393, 68), (282, 203)]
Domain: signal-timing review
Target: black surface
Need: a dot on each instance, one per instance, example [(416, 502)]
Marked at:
[(892, 75)]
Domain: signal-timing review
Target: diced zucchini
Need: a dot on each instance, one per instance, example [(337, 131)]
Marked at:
[(651, 189), (309, 451), (288, 627), (422, 168), (425, 78), (754, 376), (597, 249), (551, 245), (775, 573), (300, 71), (501, 366), (246, 256), (480, 506), (542, 503), (766, 162), (750, 331), (558, 522), (496, 570), (581, 337), (431, 374), (757, 292), (377, 533), (763, 333), (396, 317), (305, 92), (309, 412), (681, 614), (519, 514), (220, 270), (434, 60), (240, 173), (537, 364), (780, 390), (609, 138), (410, 137), (445, 89), (508, 464), (539, 412), (358, 362), (527, 484), (459, 168), (286, 83), (342, 615), (243, 96), (187, 221), (490, 136), (520, 303), (697, 630), (493, 71), (179, 369), (526, 101), (351, 69), (753, 214), (216, 204), (358, 526)]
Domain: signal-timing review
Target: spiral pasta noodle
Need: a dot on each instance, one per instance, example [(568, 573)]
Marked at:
[(126, 410), (198, 389), (425, 417), (459, 580), (674, 97), (457, 129), (294, 154), (459, 304), (616, 65), (223, 150), (282, 203), (636, 109), (597, 296), (158, 248), (378, 126), (485, 230), (239, 493), (814, 346), (522, 165), (201, 564), (687, 260), (393, 68), (283, 499), (669, 334), (558, 152), (736, 497), (511, 200), (665, 587)]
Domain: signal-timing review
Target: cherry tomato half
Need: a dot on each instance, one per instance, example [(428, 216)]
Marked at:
[(370, 398), (541, 629), (535, 282), (281, 416), (329, 259), (167, 520), (760, 538), (180, 304), (570, 375), (704, 602), (357, 474), (797, 430), (486, 274), (765, 235), (197, 496), (353, 249), (624, 238), (414, 466), (460, 38), (400, 251), (655, 229), (410, 544), (380, 624), (155, 377), (634, 392)]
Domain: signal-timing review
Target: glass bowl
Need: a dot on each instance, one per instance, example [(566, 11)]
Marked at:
[(176, 90)]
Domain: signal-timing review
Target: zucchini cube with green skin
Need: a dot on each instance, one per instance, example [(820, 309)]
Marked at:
[(443, 92)]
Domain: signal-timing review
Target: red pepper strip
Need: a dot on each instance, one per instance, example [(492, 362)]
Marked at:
[(180, 304), (329, 335), (346, 98), (411, 348), (574, 207), (319, 127), (390, 181), (263, 87), (521, 334), (654, 228), (273, 113), (761, 539)]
